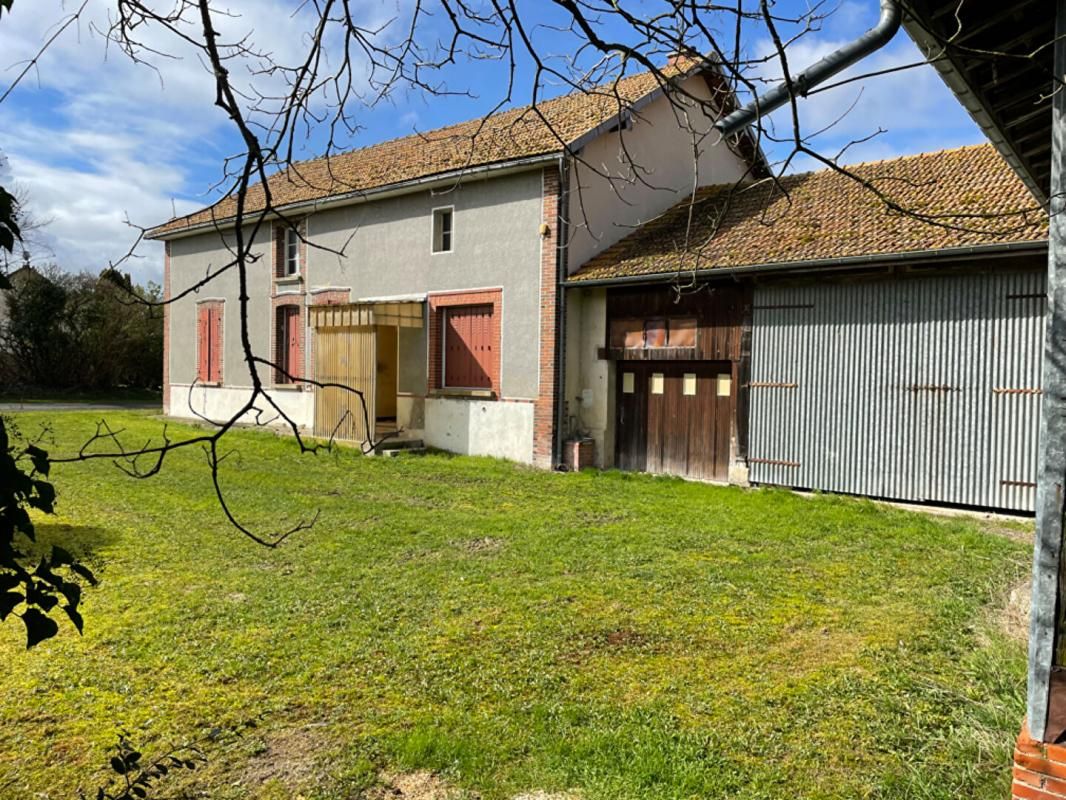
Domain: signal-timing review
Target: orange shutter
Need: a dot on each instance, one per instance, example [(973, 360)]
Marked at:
[(203, 342), (468, 356), (292, 325), (215, 349)]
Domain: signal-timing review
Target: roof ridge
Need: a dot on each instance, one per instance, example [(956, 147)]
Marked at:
[(482, 118), (708, 187), (924, 154)]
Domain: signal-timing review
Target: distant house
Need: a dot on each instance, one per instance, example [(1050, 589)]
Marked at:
[(797, 334)]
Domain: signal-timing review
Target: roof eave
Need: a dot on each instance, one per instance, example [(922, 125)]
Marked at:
[(365, 195), (970, 100), (819, 264)]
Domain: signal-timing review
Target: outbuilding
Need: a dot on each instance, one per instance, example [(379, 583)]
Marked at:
[(807, 333)]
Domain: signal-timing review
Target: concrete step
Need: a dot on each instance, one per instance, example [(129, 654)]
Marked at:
[(410, 451), (392, 447)]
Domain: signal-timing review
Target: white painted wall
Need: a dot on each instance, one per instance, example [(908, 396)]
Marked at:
[(586, 321), (481, 428), (220, 403), (623, 179)]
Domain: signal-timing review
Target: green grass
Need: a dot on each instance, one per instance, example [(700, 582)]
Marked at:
[(620, 635)]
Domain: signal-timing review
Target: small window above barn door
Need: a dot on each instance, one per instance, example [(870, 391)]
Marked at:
[(654, 333)]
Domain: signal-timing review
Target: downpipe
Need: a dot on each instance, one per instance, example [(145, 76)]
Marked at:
[(837, 61)]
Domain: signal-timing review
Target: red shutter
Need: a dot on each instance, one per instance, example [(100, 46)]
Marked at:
[(203, 342), (292, 335), (215, 350), (468, 356)]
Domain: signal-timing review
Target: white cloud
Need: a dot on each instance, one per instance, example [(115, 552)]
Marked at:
[(94, 137), (913, 107)]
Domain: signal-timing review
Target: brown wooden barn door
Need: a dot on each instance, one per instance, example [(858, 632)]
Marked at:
[(687, 422), (631, 417)]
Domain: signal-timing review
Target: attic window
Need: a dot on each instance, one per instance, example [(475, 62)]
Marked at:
[(442, 230)]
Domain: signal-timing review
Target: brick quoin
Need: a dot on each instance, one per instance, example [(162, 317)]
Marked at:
[(166, 328), (544, 405), (331, 297), (437, 304), (1039, 769)]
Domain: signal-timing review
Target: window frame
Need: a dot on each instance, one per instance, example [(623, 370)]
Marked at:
[(291, 252), (435, 214)]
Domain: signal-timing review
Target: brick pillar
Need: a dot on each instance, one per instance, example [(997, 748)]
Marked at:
[(166, 328), (544, 405), (1039, 769)]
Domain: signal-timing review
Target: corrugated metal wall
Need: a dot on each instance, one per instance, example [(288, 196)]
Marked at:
[(918, 389)]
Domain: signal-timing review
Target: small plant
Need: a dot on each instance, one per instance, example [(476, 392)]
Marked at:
[(135, 778), (30, 587)]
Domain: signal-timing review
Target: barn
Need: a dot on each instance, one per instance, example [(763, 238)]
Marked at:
[(807, 333)]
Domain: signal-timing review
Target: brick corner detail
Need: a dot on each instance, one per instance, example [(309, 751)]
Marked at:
[(1039, 769)]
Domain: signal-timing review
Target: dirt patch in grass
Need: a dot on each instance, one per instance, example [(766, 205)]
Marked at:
[(609, 641), (484, 544), (288, 757), (413, 786)]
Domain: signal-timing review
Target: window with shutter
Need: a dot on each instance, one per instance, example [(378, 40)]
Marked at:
[(468, 344), (209, 342), (288, 344)]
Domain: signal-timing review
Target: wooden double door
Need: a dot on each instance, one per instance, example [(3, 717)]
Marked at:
[(675, 417)]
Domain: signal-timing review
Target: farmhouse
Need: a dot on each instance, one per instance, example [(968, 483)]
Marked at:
[(523, 294)]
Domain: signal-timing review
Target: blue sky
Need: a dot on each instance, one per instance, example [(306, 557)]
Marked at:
[(95, 139)]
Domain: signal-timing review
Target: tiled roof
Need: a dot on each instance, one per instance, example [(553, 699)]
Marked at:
[(976, 197), (507, 136)]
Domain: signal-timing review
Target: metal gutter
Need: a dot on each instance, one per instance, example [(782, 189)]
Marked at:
[(821, 264), (363, 196), (562, 235), (837, 61)]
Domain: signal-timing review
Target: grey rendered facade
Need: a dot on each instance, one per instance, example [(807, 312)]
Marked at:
[(518, 227)]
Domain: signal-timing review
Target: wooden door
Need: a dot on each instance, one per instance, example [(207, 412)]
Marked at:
[(293, 361), (686, 424), (631, 417)]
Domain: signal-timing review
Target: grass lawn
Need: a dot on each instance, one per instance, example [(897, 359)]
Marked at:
[(614, 635)]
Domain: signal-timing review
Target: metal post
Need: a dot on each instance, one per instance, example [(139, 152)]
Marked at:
[(1052, 470)]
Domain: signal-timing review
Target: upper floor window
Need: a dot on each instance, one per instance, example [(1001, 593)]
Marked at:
[(292, 252), (442, 229)]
